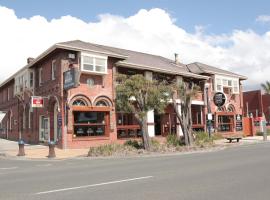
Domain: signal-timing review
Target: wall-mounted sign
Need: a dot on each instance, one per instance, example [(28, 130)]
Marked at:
[(37, 102), (71, 78), (239, 123), (219, 99)]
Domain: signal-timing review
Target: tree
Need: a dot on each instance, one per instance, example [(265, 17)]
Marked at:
[(266, 87), (137, 95), (185, 92)]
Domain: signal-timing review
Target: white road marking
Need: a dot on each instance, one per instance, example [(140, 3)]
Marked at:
[(94, 185), (44, 165), (8, 168)]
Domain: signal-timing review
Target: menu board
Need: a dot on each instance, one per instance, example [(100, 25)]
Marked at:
[(239, 123)]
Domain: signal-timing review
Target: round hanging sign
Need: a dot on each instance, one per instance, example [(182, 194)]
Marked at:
[(219, 99)]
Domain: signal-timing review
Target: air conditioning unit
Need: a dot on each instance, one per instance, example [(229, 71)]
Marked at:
[(71, 56)]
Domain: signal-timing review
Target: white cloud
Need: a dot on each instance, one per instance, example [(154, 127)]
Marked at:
[(263, 18), (153, 31)]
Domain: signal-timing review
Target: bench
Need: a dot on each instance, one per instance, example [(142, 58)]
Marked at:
[(233, 138)]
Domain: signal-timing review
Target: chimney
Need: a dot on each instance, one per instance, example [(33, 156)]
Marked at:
[(176, 58), (29, 60)]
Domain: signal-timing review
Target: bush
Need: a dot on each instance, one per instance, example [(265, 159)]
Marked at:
[(202, 139), (217, 136), (133, 143), (110, 149), (258, 133), (172, 140)]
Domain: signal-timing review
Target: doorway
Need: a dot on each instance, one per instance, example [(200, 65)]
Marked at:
[(157, 120), (55, 123), (44, 129)]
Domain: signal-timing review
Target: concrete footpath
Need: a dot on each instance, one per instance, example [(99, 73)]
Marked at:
[(10, 149)]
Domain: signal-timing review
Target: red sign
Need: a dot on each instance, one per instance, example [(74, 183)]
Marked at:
[(37, 102)]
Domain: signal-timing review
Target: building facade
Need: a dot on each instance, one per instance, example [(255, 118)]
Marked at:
[(257, 105), (76, 81)]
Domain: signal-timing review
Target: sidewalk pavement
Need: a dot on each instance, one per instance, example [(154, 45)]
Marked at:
[(10, 148)]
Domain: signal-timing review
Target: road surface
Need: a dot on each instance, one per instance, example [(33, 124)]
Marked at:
[(240, 173)]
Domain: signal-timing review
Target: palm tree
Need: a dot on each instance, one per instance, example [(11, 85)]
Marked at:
[(266, 87)]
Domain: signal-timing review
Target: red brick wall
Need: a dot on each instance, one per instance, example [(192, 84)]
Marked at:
[(254, 100)]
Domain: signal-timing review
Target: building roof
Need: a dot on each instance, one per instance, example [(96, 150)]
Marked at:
[(200, 68), (135, 59)]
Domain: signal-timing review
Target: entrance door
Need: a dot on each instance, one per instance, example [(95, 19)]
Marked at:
[(157, 118), (55, 122), (44, 129)]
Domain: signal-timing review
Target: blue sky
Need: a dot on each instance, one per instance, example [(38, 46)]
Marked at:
[(216, 15), (229, 34)]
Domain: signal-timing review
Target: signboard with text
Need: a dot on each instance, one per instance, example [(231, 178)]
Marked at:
[(219, 99), (70, 79), (37, 102)]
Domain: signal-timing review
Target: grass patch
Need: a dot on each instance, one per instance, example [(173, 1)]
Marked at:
[(259, 133), (134, 143), (111, 150), (202, 139)]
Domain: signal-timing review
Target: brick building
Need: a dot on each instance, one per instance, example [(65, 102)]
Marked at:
[(256, 103), (76, 81)]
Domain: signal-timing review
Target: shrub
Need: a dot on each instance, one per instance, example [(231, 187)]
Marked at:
[(172, 140), (202, 139), (217, 136), (133, 143), (110, 149), (259, 133)]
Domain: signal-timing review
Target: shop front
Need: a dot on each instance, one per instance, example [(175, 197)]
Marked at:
[(89, 122)]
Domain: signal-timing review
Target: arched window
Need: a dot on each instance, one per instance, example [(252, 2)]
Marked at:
[(79, 102), (102, 103), (230, 108), (221, 109)]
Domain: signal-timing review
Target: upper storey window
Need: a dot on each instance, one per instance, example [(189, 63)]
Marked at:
[(223, 83), (94, 64)]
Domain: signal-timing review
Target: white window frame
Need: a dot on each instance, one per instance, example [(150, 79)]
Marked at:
[(8, 93), (29, 118), (40, 76), (223, 81), (94, 63), (33, 81), (24, 119), (53, 68)]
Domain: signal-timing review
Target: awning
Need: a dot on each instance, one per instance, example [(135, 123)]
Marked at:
[(2, 115)]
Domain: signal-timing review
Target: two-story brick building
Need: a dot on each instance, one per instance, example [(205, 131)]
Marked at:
[(76, 81)]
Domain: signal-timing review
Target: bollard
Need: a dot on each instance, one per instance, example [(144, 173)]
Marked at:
[(21, 148), (51, 149)]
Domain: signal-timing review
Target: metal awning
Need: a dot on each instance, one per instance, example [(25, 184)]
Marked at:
[(2, 115)]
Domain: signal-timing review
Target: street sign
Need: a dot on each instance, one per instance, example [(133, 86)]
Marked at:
[(37, 102), (219, 99)]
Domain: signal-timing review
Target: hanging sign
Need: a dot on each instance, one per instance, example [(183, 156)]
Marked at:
[(71, 78), (37, 102), (219, 99)]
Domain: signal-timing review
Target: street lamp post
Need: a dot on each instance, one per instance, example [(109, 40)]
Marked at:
[(209, 114)]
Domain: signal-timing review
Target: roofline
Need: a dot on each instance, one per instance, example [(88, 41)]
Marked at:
[(225, 74), (83, 49), (136, 66), (51, 49)]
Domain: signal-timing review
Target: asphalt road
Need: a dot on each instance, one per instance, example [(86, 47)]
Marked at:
[(240, 173)]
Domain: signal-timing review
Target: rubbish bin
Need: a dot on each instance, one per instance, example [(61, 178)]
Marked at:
[(21, 148), (51, 145)]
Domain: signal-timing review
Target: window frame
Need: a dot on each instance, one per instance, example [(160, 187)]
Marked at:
[(220, 80), (40, 76), (95, 57), (53, 70)]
